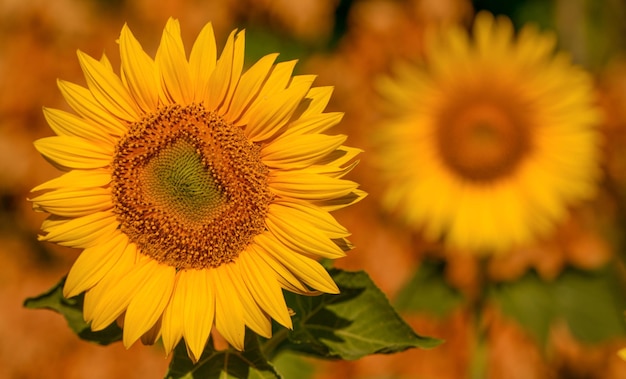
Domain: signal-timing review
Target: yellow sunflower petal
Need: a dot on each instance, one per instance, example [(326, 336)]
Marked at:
[(319, 98), (341, 202), (229, 312), (147, 304), (107, 88), (254, 317), (85, 104), (249, 85), (305, 186), (81, 232), (264, 288), (272, 114), (78, 179), (236, 67), (533, 47), (202, 61), (74, 152), (285, 277), (227, 72), (173, 66), (117, 295), (276, 83), (73, 202), (342, 156), (198, 308), (300, 235), (321, 219), (317, 123), (332, 169), (94, 296), (499, 41), (138, 72), (93, 264), (173, 315), (67, 124), (279, 78), (152, 335), (106, 63), (299, 151), (459, 46), (306, 269)]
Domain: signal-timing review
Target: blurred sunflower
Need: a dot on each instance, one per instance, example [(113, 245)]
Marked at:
[(198, 192), (490, 141)]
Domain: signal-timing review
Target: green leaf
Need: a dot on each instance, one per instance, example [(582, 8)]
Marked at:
[(428, 291), (226, 364), (528, 300), (357, 322), (590, 302), (72, 310), (292, 365)]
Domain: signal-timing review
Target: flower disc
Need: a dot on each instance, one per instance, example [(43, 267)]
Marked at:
[(198, 191), (485, 137), (492, 139), (190, 190)]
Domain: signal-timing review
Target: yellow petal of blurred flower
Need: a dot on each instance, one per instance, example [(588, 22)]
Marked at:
[(488, 143)]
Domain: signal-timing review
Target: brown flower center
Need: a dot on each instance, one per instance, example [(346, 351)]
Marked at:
[(189, 189), (484, 138)]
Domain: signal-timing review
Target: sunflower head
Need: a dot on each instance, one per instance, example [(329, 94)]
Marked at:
[(491, 139), (198, 191)]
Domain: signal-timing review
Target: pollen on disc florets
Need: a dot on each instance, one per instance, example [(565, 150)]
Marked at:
[(188, 188)]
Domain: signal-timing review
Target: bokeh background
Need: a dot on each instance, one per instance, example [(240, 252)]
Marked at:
[(346, 43)]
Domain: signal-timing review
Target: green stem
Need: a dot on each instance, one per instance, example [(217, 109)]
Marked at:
[(269, 348), (480, 358)]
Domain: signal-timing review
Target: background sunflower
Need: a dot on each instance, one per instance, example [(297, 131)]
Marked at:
[(479, 140)]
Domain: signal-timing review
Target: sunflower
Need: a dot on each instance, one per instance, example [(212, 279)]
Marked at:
[(491, 139), (198, 191)]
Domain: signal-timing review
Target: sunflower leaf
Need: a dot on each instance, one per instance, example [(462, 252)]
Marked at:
[(223, 364), (591, 303), (72, 310), (293, 365), (428, 291), (357, 322)]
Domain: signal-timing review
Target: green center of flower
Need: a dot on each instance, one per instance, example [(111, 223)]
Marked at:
[(178, 181), (483, 139), (189, 189)]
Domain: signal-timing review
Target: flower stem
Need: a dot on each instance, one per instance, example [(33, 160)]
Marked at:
[(269, 348)]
